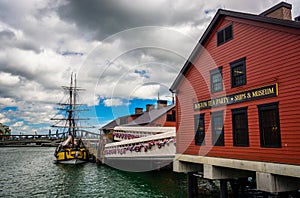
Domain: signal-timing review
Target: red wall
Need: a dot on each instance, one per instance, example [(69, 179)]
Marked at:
[(272, 56)]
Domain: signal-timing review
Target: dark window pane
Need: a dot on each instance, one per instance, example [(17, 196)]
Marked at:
[(171, 117), (224, 35), (269, 125), (220, 37), (217, 128), (216, 80), (238, 73), (228, 33), (240, 127), (199, 129)]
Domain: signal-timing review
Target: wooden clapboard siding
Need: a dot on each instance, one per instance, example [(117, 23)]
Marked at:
[(272, 56)]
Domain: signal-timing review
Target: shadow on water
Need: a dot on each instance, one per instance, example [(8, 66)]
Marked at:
[(89, 180), (164, 183)]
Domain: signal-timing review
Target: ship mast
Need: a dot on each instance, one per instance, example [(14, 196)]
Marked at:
[(70, 112), (74, 107), (71, 108)]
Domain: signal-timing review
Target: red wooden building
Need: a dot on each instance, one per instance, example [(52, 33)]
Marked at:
[(238, 99)]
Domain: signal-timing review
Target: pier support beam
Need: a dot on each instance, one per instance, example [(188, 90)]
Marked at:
[(225, 175), (216, 172), (235, 186), (185, 167), (192, 185), (223, 188), (275, 183), (190, 169)]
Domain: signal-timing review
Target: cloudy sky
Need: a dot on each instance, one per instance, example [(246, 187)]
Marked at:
[(124, 53)]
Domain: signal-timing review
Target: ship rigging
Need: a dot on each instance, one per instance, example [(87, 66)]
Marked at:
[(72, 150)]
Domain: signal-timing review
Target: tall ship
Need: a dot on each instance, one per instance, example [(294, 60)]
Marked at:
[(72, 149)]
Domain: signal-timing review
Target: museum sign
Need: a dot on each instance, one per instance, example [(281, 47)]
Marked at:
[(254, 94)]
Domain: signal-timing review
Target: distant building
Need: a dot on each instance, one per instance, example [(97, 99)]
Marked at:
[(108, 128), (162, 116), (5, 131), (238, 100)]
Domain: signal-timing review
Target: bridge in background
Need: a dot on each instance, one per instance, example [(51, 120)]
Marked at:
[(28, 140), (45, 139)]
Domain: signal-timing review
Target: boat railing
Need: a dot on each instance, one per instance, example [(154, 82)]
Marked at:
[(160, 144), (127, 133)]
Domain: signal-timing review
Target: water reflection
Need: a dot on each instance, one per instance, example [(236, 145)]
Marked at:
[(30, 172)]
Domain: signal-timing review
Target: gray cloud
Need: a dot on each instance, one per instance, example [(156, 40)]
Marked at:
[(117, 47), (6, 35), (105, 18)]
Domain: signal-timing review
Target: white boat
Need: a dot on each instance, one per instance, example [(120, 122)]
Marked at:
[(147, 152)]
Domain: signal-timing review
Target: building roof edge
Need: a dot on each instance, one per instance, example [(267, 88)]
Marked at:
[(218, 16)]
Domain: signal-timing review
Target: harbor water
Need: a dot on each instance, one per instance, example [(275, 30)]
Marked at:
[(30, 172)]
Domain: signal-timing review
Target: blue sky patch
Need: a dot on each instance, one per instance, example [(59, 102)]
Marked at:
[(142, 73)]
